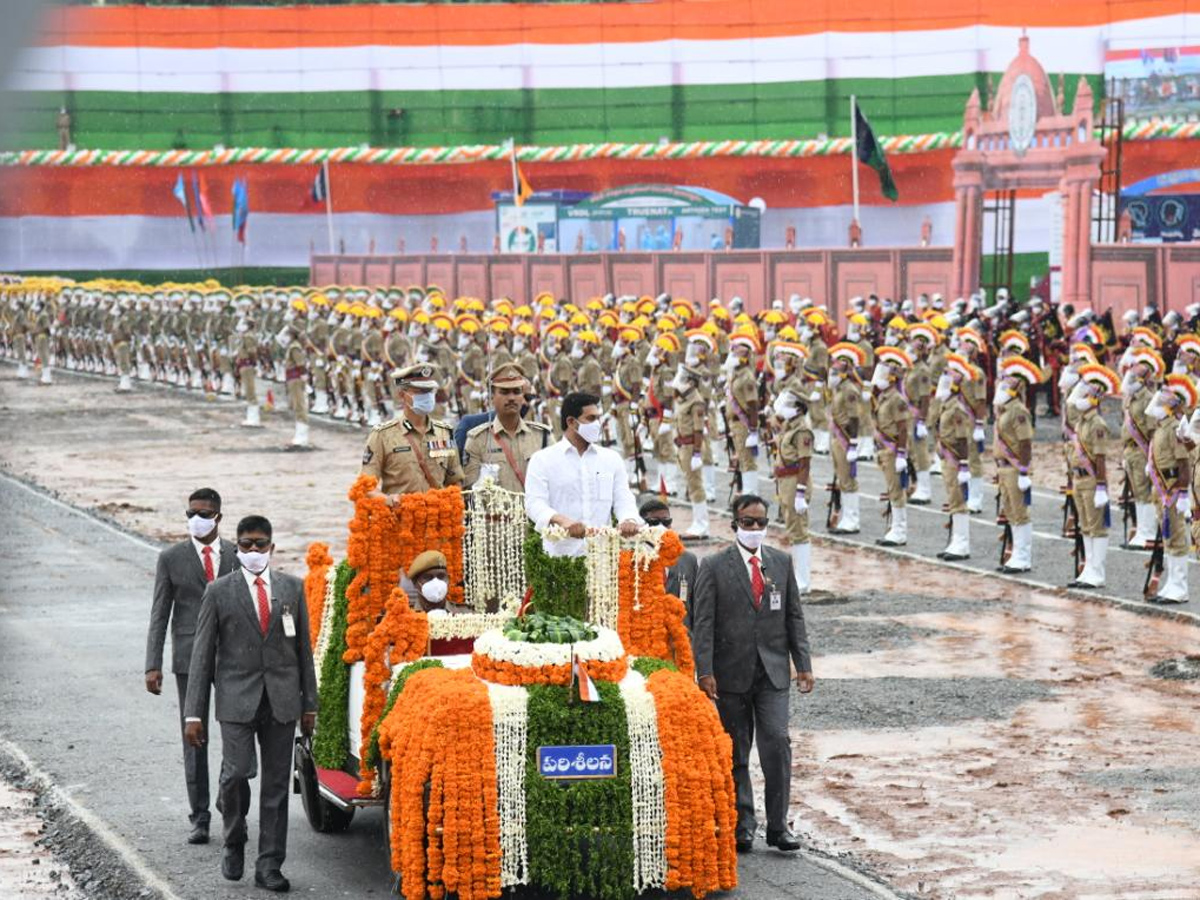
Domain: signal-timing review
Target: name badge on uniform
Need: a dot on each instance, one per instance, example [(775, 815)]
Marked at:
[(289, 623), (776, 600)]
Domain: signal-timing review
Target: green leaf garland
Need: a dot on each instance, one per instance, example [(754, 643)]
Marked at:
[(559, 583), (393, 694), (331, 740), (580, 832), (648, 665)]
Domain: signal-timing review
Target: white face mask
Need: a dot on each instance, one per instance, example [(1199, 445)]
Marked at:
[(880, 378), (751, 540), (577, 352), (730, 362), (1068, 379), (692, 358), (464, 341), (424, 403), (590, 431), (254, 562), (852, 335), (805, 334), (780, 372), (652, 358), (618, 350), (200, 527), (518, 345), (435, 589), (943, 388), (1002, 397), (1130, 384), (835, 379), (493, 342), (1080, 397), (785, 407), (423, 355), (1156, 409)]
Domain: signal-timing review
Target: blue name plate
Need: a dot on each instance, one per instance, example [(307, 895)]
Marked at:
[(578, 761)]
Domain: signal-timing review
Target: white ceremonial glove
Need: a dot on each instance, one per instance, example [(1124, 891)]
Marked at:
[(977, 434), (921, 431), (643, 434), (665, 429), (606, 390), (866, 395), (801, 504), (1100, 500), (815, 397), (852, 453), (964, 474), (901, 462), (1184, 505), (697, 461), (667, 415), (752, 440), (1024, 483)]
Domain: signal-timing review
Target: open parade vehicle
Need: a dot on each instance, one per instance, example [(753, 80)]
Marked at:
[(548, 732)]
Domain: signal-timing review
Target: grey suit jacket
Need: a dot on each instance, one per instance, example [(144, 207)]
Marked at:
[(684, 570), (728, 634), (178, 586), (231, 652)]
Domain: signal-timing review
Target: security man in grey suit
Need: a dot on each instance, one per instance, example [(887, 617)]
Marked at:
[(184, 571), (681, 577), (252, 643), (747, 623)]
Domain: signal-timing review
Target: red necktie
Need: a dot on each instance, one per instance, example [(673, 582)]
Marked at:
[(264, 608), (209, 575), (756, 582)]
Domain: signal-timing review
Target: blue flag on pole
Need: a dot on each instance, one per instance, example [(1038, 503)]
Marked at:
[(196, 200), (241, 208), (180, 192)]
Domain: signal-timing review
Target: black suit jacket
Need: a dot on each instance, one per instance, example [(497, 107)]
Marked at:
[(178, 587), (729, 636), (684, 570)]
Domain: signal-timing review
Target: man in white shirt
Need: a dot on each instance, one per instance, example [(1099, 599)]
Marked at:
[(578, 484)]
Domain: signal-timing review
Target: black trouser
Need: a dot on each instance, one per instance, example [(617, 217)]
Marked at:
[(195, 764), (765, 709), (237, 768)]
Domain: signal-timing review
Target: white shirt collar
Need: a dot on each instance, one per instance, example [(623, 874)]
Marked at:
[(265, 575), (568, 448), (215, 546), (746, 554)]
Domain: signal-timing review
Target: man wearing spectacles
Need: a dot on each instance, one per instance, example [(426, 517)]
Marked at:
[(252, 645), (747, 623), (681, 577), (184, 570)]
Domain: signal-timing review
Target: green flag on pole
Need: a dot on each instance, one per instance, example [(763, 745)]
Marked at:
[(869, 152)]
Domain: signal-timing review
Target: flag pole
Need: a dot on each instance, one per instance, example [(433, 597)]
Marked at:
[(519, 209), (854, 151), (328, 204)]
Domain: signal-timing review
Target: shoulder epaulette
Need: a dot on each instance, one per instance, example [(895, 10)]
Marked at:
[(479, 429)]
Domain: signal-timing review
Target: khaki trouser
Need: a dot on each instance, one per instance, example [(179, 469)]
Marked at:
[(298, 398), (694, 477), (124, 366), (249, 379), (1012, 498), (846, 483), (1135, 471), (896, 494), (622, 413), (1091, 519), (1177, 543), (918, 448), (956, 501), (795, 524), (553, 406), (747, 459), (974, 459), (664, 443), (43, 350)]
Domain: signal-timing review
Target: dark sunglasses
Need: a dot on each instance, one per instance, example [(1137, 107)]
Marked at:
[(202, 513), (751, 522), (667, 521), (253, 543)]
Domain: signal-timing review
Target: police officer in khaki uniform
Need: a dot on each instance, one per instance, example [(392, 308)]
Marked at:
[(1013, 451), (892, 420), (793, 477), (1138, 387), (845, 406), (741, 403), (690, 420), (295, 372), (500, 449), (1091, 469), (1170, 471), (412, 453), (917, 388), (956, 420)]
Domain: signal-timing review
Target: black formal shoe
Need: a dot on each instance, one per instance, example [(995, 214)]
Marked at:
[(233, 861), (782, 840), (1012, 570), (918, 502), (745, 845), (273, 881), (954, 557), (883, 542), (199, 833)]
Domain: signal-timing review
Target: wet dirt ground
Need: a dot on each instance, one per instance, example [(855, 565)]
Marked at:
[(968, 737), (27, 870)]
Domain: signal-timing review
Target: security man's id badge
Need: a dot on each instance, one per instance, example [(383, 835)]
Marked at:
[(776, 600), (289, 624)]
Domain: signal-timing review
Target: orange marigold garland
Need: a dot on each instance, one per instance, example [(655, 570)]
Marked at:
[(701, 812), (650, 620), (441, 736), (318, 561), (499, 671)]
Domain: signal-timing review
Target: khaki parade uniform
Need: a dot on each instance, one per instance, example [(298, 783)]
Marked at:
[(1136, 446), (1168, 453), (342, 340), (295, 362), (690, 420), (372, 371), (844, 406), (917, 386), (892, 422), (956, 421), (1091, 437), (817, 363), (528, 364), (318, 347), (662, 426), (741, 396), (472, 370), (589, 377), (1013, 426), (485, 452), (247, 366), (119, 331), (626, 398), (559, 375), (976, 392), (795, 442), (396, 450)]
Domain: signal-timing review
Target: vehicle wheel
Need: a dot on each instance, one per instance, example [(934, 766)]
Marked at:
[(322, 815)]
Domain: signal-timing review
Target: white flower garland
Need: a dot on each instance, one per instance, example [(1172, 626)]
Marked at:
[(494, 546), (603, 583), (468, 625), (646, 547), (326, 624), (648, 786), (510, 729), (606, 647)]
